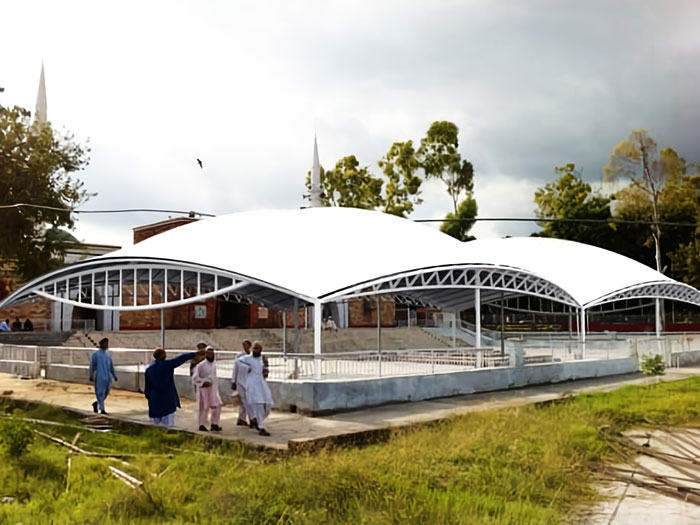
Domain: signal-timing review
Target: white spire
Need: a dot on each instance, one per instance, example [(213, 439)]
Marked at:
[(40, 115), (316, 179)]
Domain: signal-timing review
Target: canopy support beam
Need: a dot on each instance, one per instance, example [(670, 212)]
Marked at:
[(318, 311), (162, 328), (477, 319)]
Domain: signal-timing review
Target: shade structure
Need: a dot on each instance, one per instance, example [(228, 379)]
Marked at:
[(279, 258)]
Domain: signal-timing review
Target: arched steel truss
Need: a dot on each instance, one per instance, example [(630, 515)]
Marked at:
[(147, 283), (143, 284), (448, 287), (654, 290)]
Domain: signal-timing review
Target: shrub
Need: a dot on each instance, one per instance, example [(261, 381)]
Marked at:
[(653, 366), (15, 436)]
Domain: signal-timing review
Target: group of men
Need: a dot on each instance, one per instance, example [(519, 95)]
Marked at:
[(248, 383), (17, 326)]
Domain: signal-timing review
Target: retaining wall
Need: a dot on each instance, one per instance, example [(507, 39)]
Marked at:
[(319, 397)]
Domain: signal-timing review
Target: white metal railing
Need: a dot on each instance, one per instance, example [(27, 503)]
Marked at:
[(387, 363)]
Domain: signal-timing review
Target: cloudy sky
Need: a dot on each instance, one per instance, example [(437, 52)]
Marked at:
[(245, 85)]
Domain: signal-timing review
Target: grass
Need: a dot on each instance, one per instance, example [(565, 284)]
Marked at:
[(522, 465)]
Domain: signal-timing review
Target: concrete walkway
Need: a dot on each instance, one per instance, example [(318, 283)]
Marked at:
[(297, 432)]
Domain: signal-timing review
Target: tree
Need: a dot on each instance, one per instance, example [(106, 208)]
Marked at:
[(458, 224), (36, 167), (638, 159), (569, 197), (350, 185), (440, 159), (402, 188), (354, 186)]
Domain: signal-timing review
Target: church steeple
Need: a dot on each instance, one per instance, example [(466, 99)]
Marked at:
[(40, 115)]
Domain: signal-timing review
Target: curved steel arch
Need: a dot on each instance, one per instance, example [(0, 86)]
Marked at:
[(441, 285), (100, 285), (652, 290)]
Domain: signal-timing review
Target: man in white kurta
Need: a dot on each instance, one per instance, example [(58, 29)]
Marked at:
[(257, 392), (238, 386), (207, 387)]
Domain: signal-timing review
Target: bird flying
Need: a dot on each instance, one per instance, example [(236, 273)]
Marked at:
[(200, 163)]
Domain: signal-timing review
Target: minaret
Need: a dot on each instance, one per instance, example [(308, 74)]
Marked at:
[(315, 197), (40, 115)]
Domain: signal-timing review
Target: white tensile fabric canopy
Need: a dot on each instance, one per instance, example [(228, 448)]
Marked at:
[(282, 258)]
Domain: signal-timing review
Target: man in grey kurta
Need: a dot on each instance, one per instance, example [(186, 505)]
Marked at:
[(101, 372)]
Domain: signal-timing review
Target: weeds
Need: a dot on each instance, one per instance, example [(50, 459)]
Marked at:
[(518, 465)]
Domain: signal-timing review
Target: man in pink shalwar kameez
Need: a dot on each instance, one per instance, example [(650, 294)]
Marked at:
[(206, 384)]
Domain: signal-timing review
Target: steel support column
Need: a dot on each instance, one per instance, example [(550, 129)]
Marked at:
[(477, 314), (318, 311), (162, 328), (454, 329)]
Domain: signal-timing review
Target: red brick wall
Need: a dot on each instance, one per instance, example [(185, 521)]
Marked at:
[(180, 317), (37, 309), (363, 312)]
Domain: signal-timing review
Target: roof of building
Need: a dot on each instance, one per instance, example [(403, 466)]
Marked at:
[(327, 254)]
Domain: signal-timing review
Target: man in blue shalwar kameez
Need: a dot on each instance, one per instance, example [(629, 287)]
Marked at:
[(101, 372), (160, 391)]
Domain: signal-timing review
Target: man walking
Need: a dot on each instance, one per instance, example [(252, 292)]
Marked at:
[(101, 372), (238, 385), (160, 391), (207, 386), (257, 392)]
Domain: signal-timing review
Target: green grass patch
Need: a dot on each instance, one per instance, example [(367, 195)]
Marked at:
[(521, 465)]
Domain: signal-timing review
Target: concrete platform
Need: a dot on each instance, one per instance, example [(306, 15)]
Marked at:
[(296, 432)]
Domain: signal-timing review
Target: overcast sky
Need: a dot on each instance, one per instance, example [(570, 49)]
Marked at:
[(245, 85)]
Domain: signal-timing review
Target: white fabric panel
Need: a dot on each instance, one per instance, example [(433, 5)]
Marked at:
[(351, 246)]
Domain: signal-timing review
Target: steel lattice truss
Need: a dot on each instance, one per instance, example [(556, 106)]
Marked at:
[(658, 290), (145, 284), (447, 287)]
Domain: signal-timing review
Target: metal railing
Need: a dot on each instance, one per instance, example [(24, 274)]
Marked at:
[(387, 363)]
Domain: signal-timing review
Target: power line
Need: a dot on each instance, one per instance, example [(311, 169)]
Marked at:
[(475, 219), (125, 210), (535, 219)]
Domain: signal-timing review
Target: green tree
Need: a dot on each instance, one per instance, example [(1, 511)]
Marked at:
[(440, 159), (678, 201), (36, 167), (569, 197), (638, 160), (350, 185), (458, 224), (402, 189)]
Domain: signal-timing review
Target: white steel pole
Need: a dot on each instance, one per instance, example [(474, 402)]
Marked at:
[(658, 318), (318, 310), (582, 325), (477, 308), (379, 325), (162, 328), (454, 329), (284, 332), (296, 325)]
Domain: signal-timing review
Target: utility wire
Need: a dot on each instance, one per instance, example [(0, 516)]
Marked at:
[(535, 219), (475, 219), (126, 210)]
